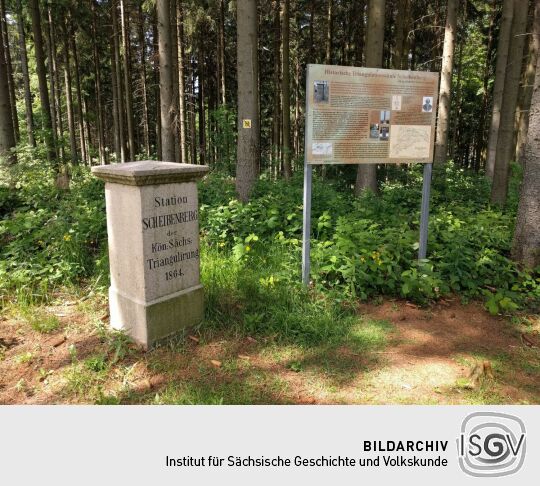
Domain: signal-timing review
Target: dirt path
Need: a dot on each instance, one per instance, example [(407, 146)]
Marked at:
[(398, 353), (435, 350)]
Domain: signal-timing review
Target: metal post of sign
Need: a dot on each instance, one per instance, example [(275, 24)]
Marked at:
[(306, 229), (424, 212), (308, 173)]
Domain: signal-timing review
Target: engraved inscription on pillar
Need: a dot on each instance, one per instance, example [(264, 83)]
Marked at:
[(170, 227)]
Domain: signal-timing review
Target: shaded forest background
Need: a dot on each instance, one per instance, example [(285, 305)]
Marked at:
[(97, 82), (102, 73)]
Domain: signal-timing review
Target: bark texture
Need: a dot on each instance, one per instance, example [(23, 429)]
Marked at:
[(526, 96), (498, 88), (401, 14), (69, 99), (366, 177), (144, 88), (526, 244), (441, 141), (26, 77), (248, 149), (97, 80), (11, 82), (165, 81), (83, 139), (505, 146), (7, 135), (42, 76), (126, 66), (286, 92), (118, 91), (276, 114), (181, 81), (221, 48)]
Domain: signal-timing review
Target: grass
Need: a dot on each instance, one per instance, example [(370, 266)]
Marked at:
[(39, 319), (240, 298), (24, 358), (82, 381)]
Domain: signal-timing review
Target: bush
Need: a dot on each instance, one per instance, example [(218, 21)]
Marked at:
[(52, 238), (360, 247)]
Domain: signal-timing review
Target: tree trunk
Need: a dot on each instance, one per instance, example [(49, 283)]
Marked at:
[(192, 121), (126, 64), (480, 141), (86, 128), (276, 115), (142, 42), (200, 99), (526, 244), (165, 80), (25, 76), (455, 147), (286, 92), (312, 58), (42, 78), (435, 41), (174, 70), (116, 109), (69, 100), (222, 51), (329, 32), (7, 134), (181, 80), (297, 105), (155, 39), (359, 32), (505, 147), (347, 39), (498, 88), (526, 96), (248, 153), (441, 141), (366, 176), (400, 34), (408, 35), (11, 83), (55, 91), (411, 49), (80, 109), (97, 82), (117, 72)]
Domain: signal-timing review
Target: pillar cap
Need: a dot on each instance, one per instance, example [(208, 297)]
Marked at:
[(149, 172)]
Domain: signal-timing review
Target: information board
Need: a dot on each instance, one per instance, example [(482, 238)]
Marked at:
[(364, 115)]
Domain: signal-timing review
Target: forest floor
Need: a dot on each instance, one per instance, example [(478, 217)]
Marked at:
[(396, 353)]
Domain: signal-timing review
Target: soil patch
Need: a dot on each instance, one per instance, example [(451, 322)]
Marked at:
[(429, 356)]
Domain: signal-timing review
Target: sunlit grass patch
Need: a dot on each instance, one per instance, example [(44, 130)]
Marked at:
[(39, 319), (369, 334), (255, 388), (239, 299), (82, 382), (26, 357)]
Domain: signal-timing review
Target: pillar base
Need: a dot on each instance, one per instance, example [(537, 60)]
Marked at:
[(151, 322)]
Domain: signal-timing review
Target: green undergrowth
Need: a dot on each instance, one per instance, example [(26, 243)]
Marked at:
[(251, 253), (261, 298)]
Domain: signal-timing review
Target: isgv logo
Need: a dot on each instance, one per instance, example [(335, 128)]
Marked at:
[(491, 444)]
